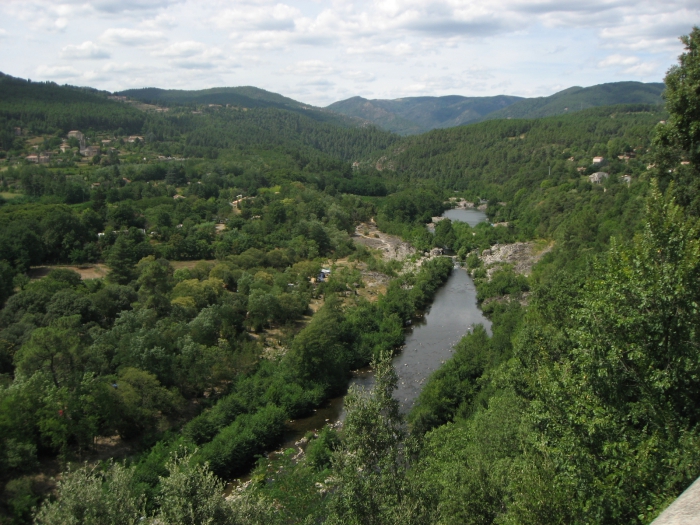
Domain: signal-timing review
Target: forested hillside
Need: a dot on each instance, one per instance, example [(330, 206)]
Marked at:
[(578, 98), (241, 97), (44, 108)]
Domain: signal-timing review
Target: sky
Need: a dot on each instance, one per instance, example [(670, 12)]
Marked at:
[(320, 52)]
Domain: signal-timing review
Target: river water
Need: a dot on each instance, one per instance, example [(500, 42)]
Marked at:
[(469, 215), (429, 342)]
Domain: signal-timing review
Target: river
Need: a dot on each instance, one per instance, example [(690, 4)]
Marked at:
[(469, 215), (429, 342)]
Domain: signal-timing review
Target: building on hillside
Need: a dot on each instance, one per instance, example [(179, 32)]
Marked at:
[(18, 131), (598, 160), (627, 179), (118, 98), (90, 151), (32, 158), (177, 197), (580, 169), (598, 177), (45, 157), (75, 134), (134, 138)]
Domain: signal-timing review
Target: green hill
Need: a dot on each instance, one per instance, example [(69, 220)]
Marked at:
[(578, 98), (46, 107), (243, 96), (413, 115), (498, 158)]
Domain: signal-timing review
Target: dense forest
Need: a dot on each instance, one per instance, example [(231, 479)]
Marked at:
[(146, 388)]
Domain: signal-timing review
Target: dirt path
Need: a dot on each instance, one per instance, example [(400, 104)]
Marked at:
[(86, 271)]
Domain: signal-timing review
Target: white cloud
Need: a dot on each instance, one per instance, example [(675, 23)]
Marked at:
[(85, 50), (118, 6), (192, 55), (630, 65), (56, 72), (182, 49), (246, 18), (326, 50), (131, 37), (310, 68)]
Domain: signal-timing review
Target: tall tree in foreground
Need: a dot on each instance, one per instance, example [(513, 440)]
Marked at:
[(372, 463), (678, 140)]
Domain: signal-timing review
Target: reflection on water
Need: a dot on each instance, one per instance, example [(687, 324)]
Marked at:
[(429, 343), (469, 215)]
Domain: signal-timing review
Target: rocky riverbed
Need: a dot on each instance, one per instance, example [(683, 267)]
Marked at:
[(521, 255)]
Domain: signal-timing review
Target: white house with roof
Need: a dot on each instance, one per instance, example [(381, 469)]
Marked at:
[(598, 177)]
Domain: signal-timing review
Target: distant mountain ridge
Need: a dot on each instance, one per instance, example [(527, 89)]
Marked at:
[(242, 96), (413, 115), (577, 98)]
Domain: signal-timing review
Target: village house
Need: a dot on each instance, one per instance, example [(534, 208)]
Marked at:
[(106, 141), (45, 157), (90, 151), (133, 138), (32, 158), (18, 131), (176, 197), (598, 160), (598, 177), (75, 135), (685, 162), (580, 170)]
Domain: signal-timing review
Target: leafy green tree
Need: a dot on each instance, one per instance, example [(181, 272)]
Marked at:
[(679, 138), (319, 353), (121, 261), (90, 495), (191, 494), (683, 100), (56, 350), (370, 466), (141, 402), (618, 408)]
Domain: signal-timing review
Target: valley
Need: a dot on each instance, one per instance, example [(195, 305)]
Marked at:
[(421, 310)]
